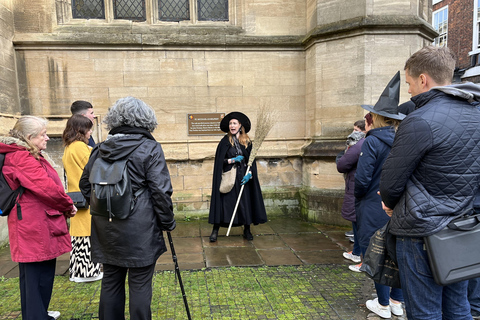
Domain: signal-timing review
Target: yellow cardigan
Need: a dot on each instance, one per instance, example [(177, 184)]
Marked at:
[(74, 159)]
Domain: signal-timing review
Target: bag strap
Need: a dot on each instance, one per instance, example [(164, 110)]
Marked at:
[(459, 223), (19, 208)]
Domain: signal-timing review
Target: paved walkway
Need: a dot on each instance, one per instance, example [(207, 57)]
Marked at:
[(291, 270)]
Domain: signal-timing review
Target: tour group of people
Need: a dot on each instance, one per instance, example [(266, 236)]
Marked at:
[(418, 165), (392, 164)]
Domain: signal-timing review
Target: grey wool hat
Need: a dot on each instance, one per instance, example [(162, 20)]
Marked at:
[(387, 104)]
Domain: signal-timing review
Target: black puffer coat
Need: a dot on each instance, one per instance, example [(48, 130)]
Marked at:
[(433, 170), (138, 240)]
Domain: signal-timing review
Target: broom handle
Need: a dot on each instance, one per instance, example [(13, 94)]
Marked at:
[(236, 205)]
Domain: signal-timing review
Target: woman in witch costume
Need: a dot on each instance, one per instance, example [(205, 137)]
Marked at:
[(233, 153), (381, 124)]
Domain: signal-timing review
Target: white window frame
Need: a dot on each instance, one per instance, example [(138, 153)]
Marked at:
[(436, 1), (476, 28), (433, 23), (64, 15)]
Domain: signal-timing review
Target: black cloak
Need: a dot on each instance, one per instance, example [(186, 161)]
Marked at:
[(251, 208)]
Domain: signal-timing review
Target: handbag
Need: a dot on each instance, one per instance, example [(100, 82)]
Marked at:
[(228, 180), (78, 199), (453, 251), (378, 262)]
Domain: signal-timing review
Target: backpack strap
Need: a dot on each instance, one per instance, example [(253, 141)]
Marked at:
[(19, 208)]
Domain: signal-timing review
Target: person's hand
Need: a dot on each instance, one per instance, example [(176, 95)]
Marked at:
[(71, 213), (387, 210), (237, 159), (246, 178)]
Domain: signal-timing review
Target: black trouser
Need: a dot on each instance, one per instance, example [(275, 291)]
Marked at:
[(112, 297), (36, 285)]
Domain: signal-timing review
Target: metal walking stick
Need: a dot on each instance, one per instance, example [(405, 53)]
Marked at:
[(177, 274)]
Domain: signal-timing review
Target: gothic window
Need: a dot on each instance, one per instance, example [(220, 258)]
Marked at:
[(88, 9), (213, 10), (158, 10), (129, 9), (173, 10)]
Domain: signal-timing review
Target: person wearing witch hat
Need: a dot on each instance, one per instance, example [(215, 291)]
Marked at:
[(231, 157), (381, 123)]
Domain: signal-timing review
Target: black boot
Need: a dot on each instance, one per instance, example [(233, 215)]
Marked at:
[(213, 236), (246, 233)]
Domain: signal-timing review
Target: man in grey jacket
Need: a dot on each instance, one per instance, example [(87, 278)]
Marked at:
[(430, 177)]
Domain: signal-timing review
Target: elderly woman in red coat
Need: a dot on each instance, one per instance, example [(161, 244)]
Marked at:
[(38, 232)]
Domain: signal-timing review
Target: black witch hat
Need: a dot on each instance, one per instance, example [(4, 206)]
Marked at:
[(241, 117), (387, 104)]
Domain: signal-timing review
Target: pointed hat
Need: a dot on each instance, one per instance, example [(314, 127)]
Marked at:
[(387, 104)]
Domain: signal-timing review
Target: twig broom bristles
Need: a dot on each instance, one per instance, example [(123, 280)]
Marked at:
[(265, 122)]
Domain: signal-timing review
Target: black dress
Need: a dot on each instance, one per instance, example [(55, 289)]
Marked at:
[(251, 208)]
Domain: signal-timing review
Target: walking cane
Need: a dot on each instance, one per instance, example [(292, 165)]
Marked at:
[(177, 274)]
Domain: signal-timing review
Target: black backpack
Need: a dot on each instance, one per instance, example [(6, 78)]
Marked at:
[(111, 194), (8, 197)]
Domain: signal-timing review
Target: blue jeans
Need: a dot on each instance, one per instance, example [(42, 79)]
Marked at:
[(474, 295), (424, 299), (356, 245)]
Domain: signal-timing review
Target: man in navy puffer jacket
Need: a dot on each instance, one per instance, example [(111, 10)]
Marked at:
[(430, 177)]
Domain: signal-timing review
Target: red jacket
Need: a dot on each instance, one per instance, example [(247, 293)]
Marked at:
[(42, 234)]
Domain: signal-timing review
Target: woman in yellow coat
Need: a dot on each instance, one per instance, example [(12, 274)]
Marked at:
[(75, 157)]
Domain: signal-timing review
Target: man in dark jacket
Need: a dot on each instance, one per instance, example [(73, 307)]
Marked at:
[(84, 108), (430, 177)]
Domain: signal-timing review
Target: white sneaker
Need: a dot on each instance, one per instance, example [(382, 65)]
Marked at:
[(352, 257), (355, 267), (54, 314), (87, 279), (375, 307), (396, 308)]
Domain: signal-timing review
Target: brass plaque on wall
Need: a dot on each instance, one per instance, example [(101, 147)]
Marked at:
[(204, 123)]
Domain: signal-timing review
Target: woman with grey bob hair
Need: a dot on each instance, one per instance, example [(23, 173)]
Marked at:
[(131, 112), (132, 245)]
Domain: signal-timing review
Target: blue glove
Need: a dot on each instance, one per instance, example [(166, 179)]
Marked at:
[(245, 179), (237, 159)]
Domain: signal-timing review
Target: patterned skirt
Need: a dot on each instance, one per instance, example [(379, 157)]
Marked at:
[(81, 265)]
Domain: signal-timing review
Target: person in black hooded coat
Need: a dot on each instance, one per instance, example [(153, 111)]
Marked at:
[(234, 151), (132, 245)]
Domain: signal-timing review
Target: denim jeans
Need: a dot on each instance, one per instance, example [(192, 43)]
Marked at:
[(356, 245), (424, 299), (474, 295)]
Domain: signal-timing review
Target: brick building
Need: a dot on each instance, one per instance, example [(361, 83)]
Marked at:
[(314, 61), (457, 24)]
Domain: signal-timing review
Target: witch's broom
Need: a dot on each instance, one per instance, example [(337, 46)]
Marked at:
[(265, 122)]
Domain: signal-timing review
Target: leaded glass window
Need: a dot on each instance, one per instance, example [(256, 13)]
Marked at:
[(129, 9), (213, 10), (88, 9), (173, 10)]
